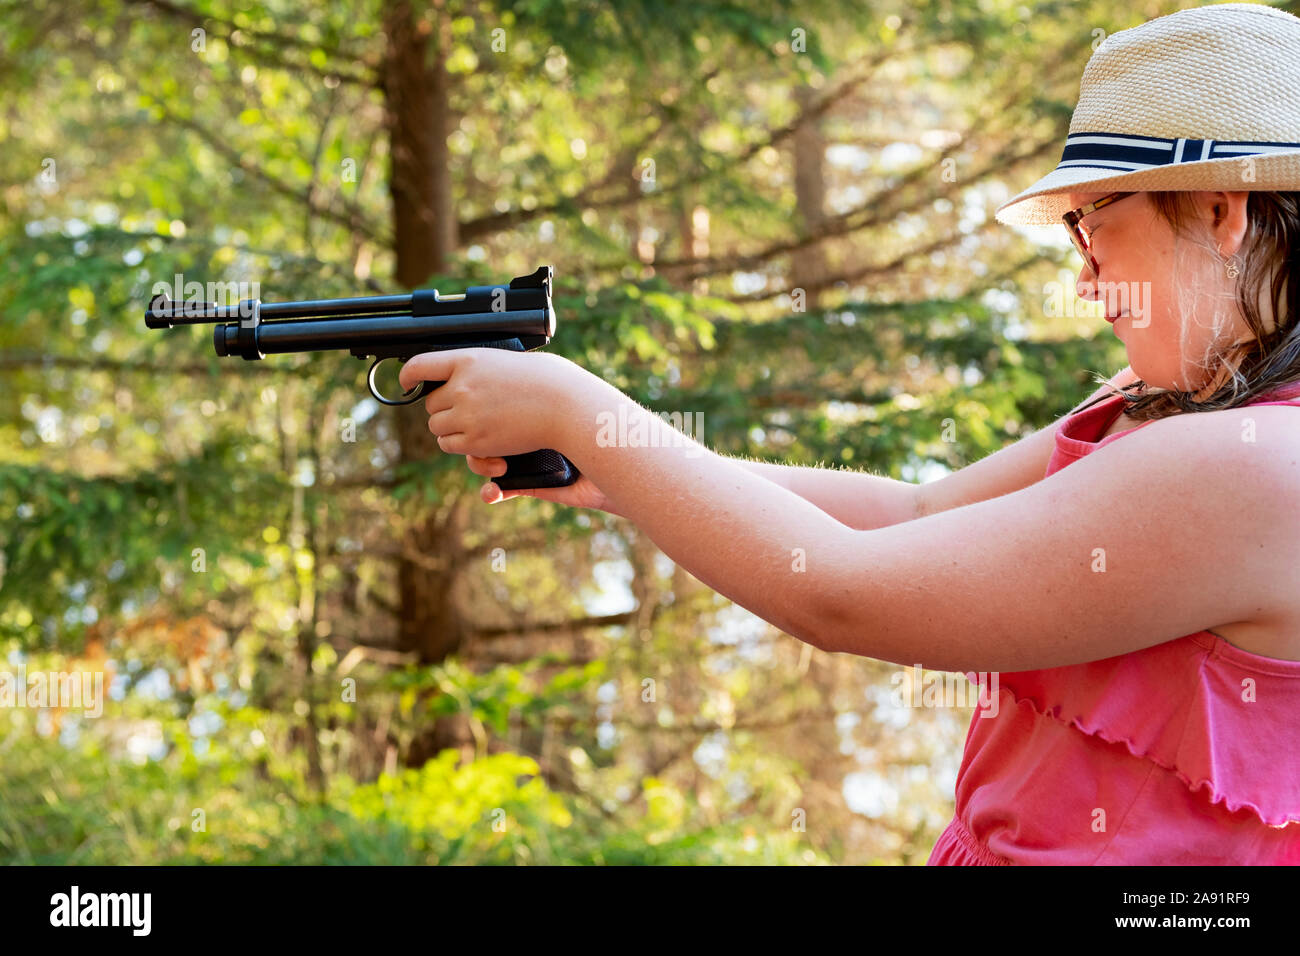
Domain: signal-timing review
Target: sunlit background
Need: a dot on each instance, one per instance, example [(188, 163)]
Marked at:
[(316, 643)]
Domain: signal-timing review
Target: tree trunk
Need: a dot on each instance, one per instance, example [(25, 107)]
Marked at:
[(417, 96), (416, 89), (808, 265), (693, 227)]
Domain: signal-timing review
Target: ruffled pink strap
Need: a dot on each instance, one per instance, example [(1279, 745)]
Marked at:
[(1223, 720)]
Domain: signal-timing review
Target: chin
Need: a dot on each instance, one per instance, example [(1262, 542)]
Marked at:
[(1152, 377)]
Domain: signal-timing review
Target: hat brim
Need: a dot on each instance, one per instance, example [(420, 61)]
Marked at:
[(1043, 203)]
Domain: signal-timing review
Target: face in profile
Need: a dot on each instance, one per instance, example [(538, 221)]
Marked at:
[(1174, 302)]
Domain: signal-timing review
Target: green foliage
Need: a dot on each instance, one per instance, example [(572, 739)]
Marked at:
[(138, 526), (225, 538), (81, 793)]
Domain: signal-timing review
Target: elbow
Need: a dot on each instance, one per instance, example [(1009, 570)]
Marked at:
[(843, 609), (834, 625), (834, 641)]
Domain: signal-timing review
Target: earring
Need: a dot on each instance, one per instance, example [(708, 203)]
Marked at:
[(1229, 264)]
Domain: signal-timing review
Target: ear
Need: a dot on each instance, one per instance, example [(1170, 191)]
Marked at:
[(1228, 222)]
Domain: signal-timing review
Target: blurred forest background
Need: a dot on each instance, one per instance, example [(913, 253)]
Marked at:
[(320, 645)]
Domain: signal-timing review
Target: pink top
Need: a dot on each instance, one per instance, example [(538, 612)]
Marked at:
[(1151, 757)]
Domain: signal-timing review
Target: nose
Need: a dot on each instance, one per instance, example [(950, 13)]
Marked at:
[(1085, 286)]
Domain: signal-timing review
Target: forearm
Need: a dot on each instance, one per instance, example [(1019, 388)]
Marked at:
[(748, 538), (860, 500)]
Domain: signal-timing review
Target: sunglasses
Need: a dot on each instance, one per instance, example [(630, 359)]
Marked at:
[(1081, 240)]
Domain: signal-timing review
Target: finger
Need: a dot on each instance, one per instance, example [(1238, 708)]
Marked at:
[(437, 401), (443, 423), (427, 367), (487, 467), (453, 444)]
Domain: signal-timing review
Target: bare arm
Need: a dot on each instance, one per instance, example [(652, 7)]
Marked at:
[(865, 502), (1006, 470), (860, 500), (1003, 584)]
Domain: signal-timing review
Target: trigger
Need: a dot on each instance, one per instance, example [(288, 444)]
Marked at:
[(407, 398)]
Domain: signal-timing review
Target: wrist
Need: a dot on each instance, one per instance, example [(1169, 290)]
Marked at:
[(578, 407)]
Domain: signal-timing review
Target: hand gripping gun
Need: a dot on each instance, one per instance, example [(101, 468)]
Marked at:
[(517, 317)]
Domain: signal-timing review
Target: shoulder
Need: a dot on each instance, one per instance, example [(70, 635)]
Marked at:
[(1185, 524), (1234, 473), (1263, 439)]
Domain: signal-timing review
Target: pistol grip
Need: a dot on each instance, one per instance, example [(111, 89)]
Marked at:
[(544, 468)]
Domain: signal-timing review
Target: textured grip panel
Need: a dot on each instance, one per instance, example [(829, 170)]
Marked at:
[(544, 468)]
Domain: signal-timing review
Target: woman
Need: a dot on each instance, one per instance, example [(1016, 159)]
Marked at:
[(1141, 605)]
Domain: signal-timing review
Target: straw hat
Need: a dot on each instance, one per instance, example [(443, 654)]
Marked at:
[(1205, 98)]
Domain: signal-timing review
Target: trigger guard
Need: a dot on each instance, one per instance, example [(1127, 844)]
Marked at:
[(411, 397)]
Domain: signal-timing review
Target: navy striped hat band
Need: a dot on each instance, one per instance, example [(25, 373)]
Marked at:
[(1129, 152)]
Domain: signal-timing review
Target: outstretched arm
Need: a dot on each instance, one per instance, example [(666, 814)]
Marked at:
[(1179, 527), (865, 501)]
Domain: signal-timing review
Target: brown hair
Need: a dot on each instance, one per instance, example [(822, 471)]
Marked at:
[(1269, 254)]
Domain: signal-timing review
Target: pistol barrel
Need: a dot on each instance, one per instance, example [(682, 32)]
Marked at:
[(360, 333), (523, 293)]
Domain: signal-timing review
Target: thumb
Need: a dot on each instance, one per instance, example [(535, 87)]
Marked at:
[(492, 493)]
